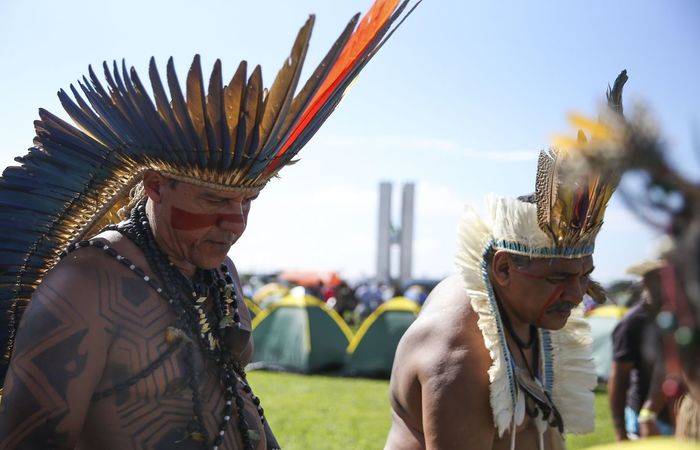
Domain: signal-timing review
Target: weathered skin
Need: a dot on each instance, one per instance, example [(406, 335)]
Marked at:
[(440, 384), (92, 324)]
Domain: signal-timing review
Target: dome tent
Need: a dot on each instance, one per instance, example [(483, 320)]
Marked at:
[(252, 308), (299, 334), (371, 351), (269, 293)]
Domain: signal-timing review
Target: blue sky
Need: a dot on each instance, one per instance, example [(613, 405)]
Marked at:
[(460, 101)]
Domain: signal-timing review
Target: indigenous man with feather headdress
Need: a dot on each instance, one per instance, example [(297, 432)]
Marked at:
[(135, 333), (500, 355)]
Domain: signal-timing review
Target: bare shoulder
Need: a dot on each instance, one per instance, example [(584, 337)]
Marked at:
[(444, 326), (76, 279), (59, 355), (106, 287), (68, 302), (68, 297), (441, 365), (442, 349)]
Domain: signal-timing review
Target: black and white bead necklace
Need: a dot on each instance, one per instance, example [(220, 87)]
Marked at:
[(193, 324)]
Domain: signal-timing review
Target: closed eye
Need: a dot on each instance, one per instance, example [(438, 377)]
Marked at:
[(557, 279), (564, 277), (217, 201)]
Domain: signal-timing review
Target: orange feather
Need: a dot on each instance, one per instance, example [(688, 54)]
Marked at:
[(371, 24)]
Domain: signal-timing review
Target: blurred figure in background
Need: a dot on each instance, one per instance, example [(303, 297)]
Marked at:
[(345, 301), (635, 145), (369, 296), (637, 403), (416, 293)]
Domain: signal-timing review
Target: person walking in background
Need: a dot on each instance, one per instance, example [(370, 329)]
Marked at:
[(637, 403), (670, 201)]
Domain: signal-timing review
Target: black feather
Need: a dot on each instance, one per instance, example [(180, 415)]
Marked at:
[(614, 94), (182, 116), (166, 114)]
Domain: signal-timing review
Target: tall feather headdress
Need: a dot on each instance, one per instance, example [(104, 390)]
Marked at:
[(562, 220), (572, 195), (234, 137)]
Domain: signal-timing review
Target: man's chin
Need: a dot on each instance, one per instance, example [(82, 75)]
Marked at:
[(211, 262), (210, 255), (554, 321)]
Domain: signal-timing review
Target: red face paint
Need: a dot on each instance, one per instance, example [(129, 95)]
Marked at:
[(187, 221), (552, 298)]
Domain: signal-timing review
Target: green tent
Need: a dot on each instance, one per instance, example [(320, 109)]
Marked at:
[(269, 294), (299, 334), (371, 351)]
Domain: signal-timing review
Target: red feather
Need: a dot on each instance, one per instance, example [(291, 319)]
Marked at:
[(371, 23)]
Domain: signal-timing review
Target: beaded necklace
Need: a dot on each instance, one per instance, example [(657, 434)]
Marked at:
[(531, 387), (192, 325)]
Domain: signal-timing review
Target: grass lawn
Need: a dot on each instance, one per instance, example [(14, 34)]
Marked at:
[(331, 413)]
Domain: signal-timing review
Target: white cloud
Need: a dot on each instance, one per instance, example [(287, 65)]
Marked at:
[(403, 144), (346, 198), (436, 199)]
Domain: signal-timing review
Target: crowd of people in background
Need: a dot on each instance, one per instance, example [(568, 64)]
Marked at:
[(353, 301)]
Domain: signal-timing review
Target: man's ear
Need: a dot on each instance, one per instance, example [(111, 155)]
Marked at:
[(501, 266), (153, 184)]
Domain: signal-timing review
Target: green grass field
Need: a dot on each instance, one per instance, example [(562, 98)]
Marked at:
[(332, 413)]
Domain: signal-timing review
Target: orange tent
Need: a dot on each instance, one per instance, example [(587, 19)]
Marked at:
[(311, 278)]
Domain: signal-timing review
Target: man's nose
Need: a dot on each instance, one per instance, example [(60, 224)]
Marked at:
[(575, 289), (233, 219)]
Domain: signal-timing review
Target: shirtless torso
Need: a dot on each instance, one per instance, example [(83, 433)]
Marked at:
[(440, 382), (101, 324)]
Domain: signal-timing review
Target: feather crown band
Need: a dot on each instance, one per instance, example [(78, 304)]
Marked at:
[(514, 228), (232, 137)]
